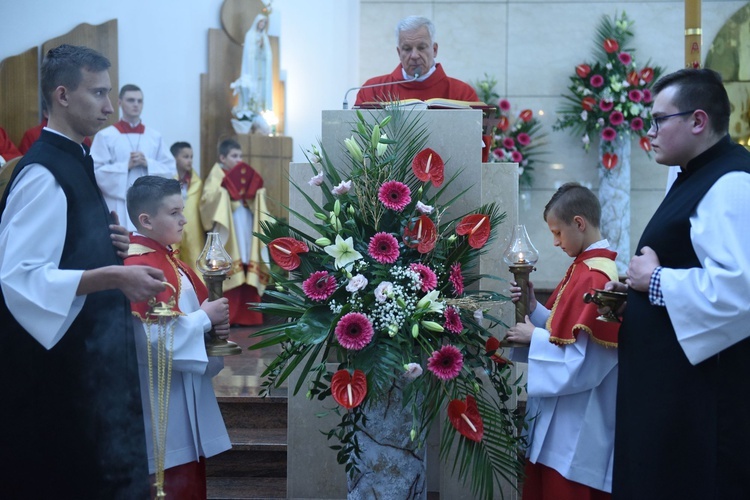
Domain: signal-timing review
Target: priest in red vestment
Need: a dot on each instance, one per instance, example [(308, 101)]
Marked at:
[(417, 50)]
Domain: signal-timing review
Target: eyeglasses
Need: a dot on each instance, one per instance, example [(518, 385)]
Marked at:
[(655, 120)]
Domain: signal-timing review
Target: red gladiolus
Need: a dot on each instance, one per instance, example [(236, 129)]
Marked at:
[(428, 166), (503, 124), (421, 234), (477, 226), (611, 45), (645, 143), (647, 74), (349, 390), (526, 115), (284, 251), (588, 103), (583, 70), (609, 160), (465, 417), (634, 78)]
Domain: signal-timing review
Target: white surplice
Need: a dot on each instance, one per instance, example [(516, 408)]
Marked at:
[(111, 153), (709, 306), (195, 426), (40, 296)]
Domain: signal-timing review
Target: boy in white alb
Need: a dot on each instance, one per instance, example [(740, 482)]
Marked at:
[(126, 151), (195, 428)]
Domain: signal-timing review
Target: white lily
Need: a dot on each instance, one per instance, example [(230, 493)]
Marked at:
[(343, 251)]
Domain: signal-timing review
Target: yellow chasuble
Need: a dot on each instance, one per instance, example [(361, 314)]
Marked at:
[(193, 236), (216, 211)]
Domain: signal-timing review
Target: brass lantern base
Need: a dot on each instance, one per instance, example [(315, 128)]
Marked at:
[(215, 345), (222, 347)]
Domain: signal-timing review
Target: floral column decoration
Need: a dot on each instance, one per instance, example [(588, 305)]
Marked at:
[(610, 99), (511, 137), (380, 280)]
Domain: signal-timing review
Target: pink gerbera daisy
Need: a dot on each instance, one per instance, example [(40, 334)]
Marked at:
[(616, 118), (523, 139), (446, 363), (624, 58), (394, 195), (354, 331), (428, 277), (457, 279), (516, 157), (504, 104), (606, 105), (452, 320), (646, 95), (383, 247), (596, 81), (509, 143), (319, 286), (636, 123), (635, 95), (609, 134)]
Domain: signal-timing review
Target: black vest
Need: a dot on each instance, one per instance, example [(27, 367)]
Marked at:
[(72, 423), (679, 426)]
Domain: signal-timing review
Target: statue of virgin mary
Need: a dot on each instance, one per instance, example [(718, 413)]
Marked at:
[(256, 62)]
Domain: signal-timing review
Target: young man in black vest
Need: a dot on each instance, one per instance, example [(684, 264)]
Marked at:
[(683, 397), (71, 419)]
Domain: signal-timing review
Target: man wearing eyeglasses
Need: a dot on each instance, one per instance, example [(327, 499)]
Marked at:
[(683, 400)]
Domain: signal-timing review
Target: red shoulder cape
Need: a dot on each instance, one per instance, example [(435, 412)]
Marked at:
[(147, 252), (569, 313)]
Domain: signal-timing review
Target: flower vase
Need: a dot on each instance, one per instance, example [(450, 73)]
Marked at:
[(614, 196), (390, 465)]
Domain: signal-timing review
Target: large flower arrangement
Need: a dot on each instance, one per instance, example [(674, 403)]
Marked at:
[(612, 95), (515, 138), (379, 281)]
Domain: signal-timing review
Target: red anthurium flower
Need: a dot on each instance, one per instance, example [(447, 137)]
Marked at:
[(588, 103), (466, 419), (609, 160), (526, 115), (634, 78), (647, 74), (421, 234), (503, 124), (428, 166), (645, 143), (349, 390), (284, 251), (583, 70), (611, 45), (491, 346), (477, 226)]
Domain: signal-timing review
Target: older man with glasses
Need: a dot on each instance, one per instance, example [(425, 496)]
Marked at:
[(683, 397)]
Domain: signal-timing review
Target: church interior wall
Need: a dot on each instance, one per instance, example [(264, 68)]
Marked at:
[(328, 46)]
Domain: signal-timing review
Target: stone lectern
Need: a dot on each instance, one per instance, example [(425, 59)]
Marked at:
[(312, 470)]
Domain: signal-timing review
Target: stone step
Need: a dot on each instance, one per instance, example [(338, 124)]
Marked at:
[(243, 412), (232, 488)]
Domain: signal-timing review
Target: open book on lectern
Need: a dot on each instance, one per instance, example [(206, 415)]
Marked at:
[(434, 103)]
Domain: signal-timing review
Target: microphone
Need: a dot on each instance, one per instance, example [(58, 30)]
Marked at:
[(346, 102)]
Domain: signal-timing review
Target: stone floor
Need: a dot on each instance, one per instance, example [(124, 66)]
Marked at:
[(241, 375)]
